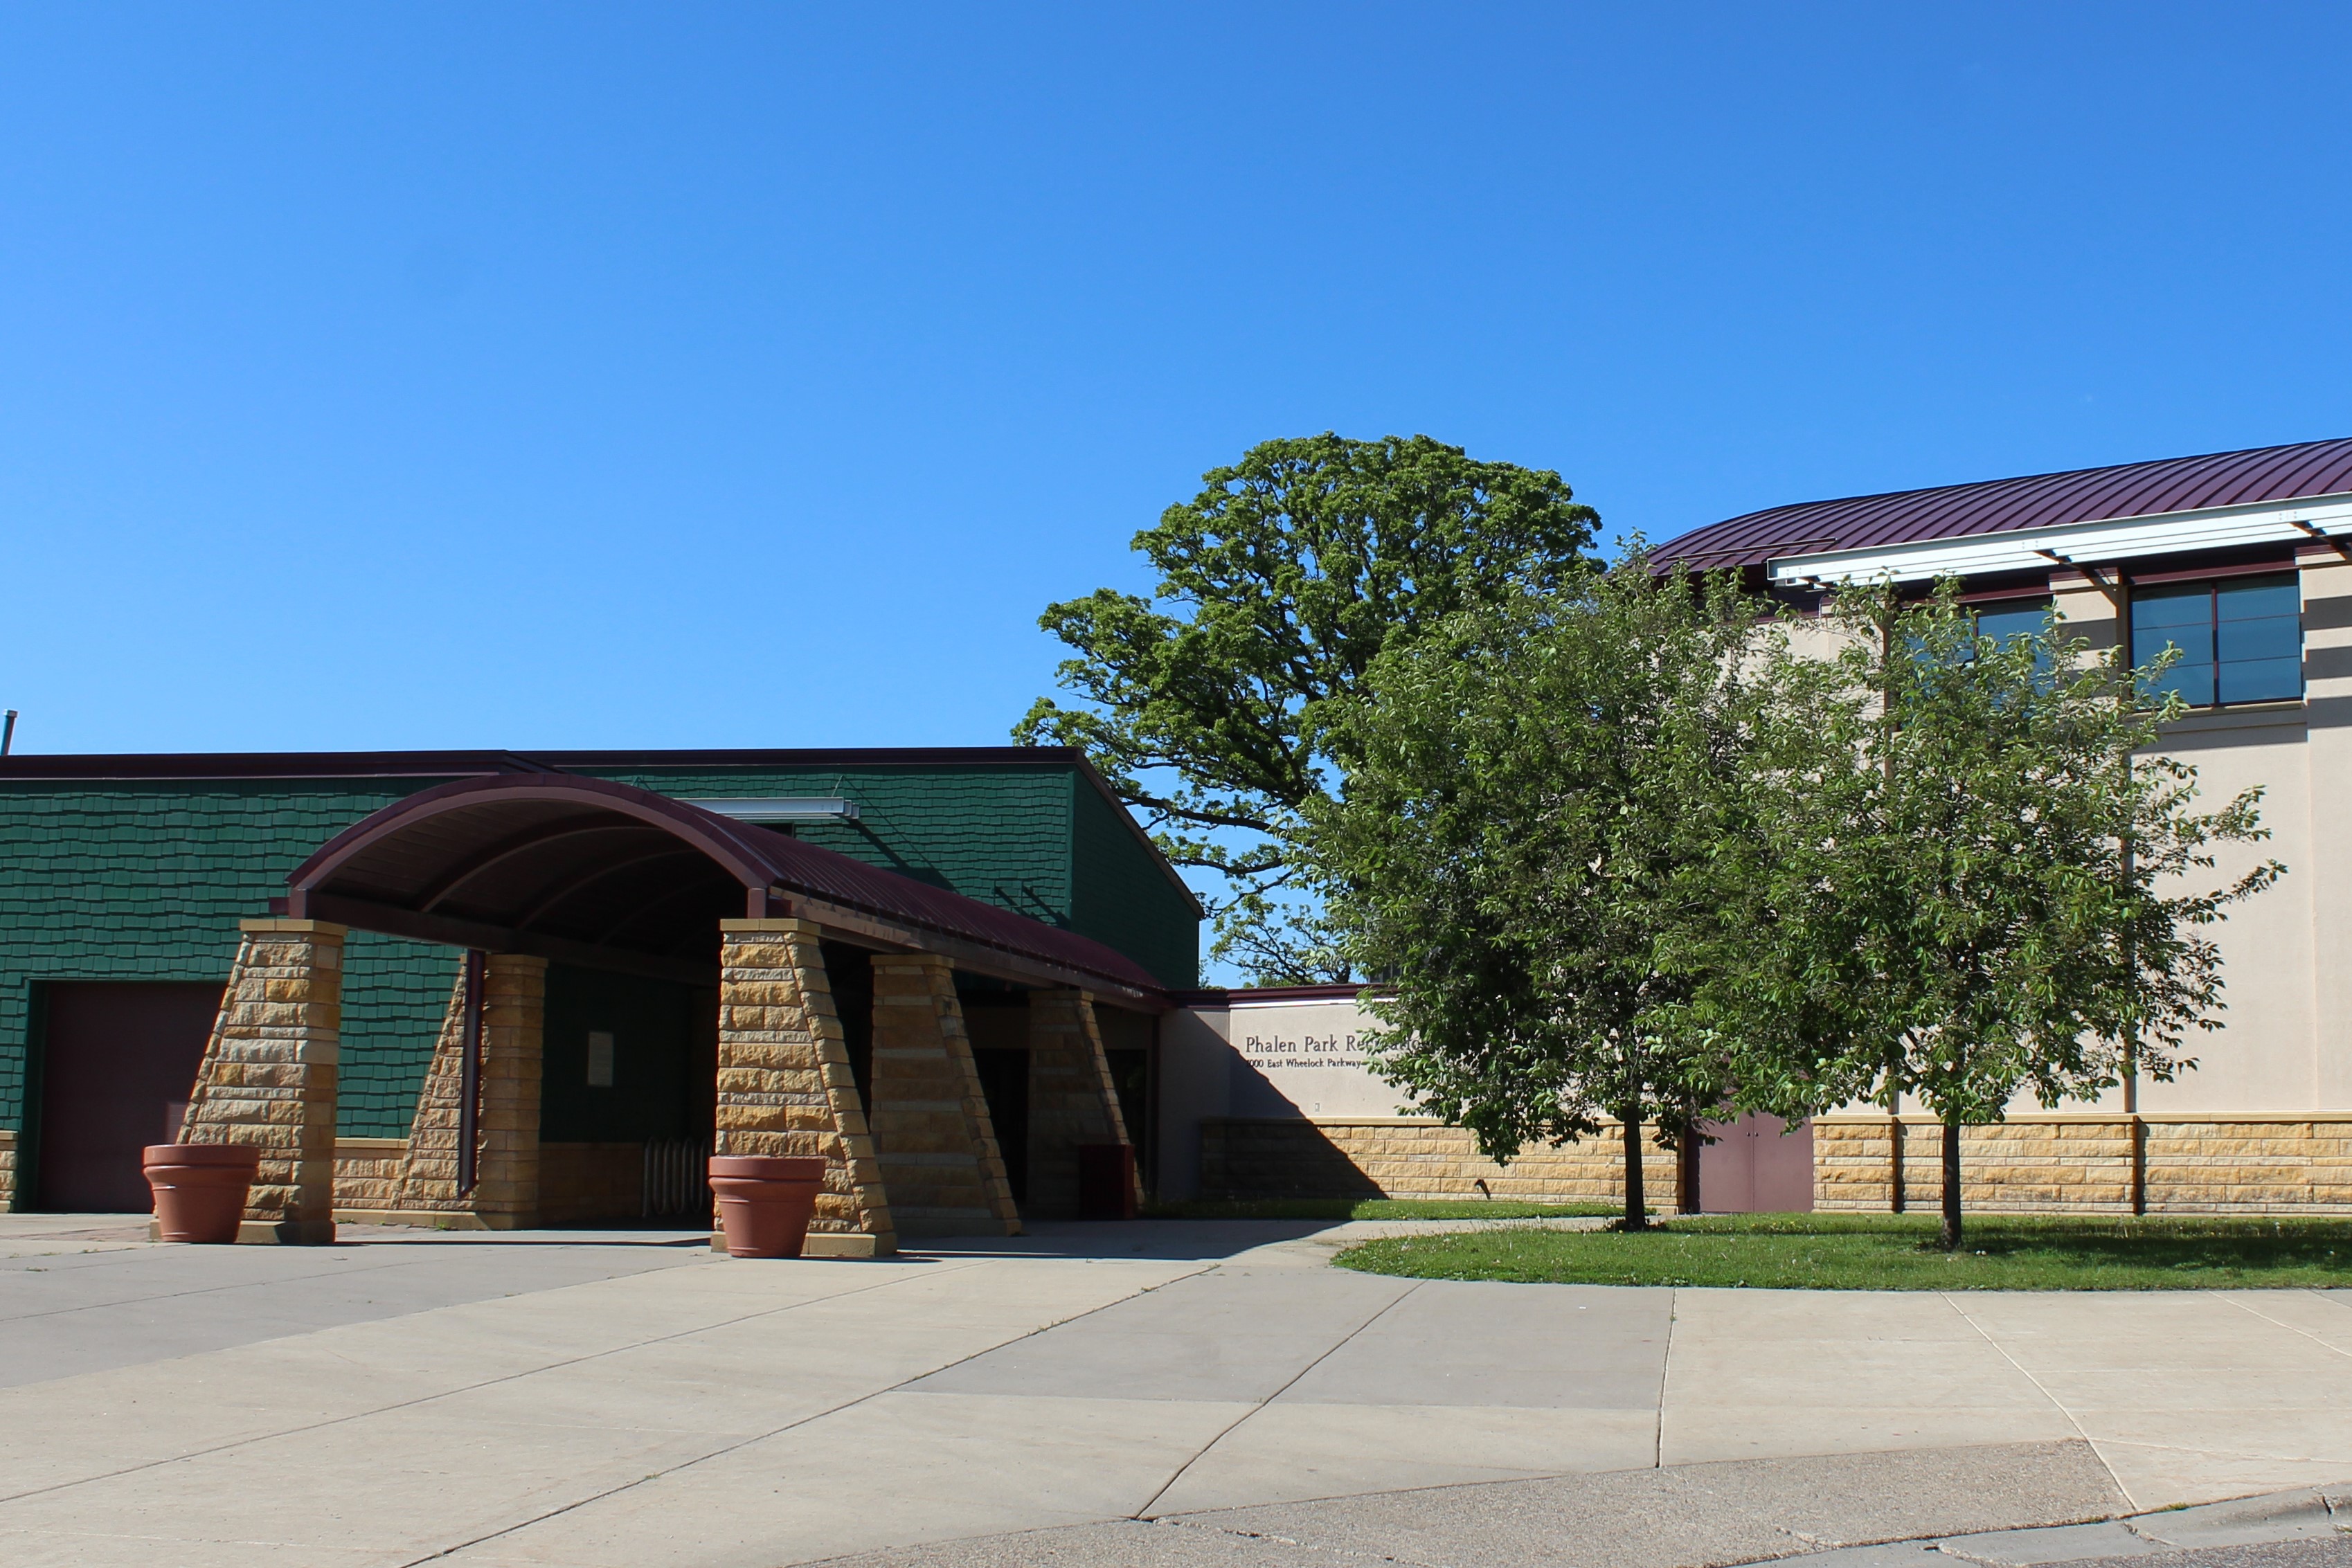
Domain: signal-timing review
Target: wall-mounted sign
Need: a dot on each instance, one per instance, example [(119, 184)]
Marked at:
[(1305, 1058)]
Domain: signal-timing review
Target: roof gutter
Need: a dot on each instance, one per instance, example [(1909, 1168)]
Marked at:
[(2297, 521)]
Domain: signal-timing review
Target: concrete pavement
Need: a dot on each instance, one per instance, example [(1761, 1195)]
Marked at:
[(627, 1398)]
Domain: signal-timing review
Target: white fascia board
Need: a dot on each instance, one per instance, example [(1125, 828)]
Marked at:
[(787, 809), (2115, 539)]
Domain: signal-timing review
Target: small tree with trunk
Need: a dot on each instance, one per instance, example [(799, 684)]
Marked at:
[(1980, 883), (1528, 856)]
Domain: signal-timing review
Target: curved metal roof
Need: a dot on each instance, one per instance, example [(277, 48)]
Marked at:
[(2305, 470), (591, 871)]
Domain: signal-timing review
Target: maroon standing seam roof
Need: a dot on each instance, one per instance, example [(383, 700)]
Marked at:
[(2005, 506)]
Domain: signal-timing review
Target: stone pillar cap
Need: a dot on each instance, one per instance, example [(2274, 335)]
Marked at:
[(283, 925)]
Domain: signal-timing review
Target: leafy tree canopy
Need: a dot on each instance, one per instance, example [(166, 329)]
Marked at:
[(1531, 854), (1211, 707), (1981, 882)]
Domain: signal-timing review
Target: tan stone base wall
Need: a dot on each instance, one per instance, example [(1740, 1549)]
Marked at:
[(577, 1182), (2092, 1162), (367, 1172), (1396, 1158), (7, 1171), (2288, 1165), (591, 1181)]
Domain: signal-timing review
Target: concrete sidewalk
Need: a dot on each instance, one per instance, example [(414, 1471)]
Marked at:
[(627, 1398)]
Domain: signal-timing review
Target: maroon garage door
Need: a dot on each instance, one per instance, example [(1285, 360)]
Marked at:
[(116, 1068), (1753, 1168)]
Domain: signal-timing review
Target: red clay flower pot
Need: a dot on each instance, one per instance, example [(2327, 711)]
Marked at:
[(200, 1188), (766, 1202)]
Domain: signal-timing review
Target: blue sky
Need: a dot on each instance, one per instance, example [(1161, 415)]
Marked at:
[(714, 375)]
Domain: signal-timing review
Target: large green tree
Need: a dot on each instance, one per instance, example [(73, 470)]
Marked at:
[(1210, 705), (1535, 854), (1982, 881)]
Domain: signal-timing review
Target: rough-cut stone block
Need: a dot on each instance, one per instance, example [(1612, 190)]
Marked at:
[(783, 1081)]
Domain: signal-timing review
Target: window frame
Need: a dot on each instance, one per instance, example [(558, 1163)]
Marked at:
[(2212, 580)]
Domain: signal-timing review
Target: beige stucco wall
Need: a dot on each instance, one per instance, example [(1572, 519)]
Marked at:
[(2282, 1045)]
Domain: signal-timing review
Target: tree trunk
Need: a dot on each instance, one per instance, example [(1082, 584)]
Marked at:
[(1637, 1209), (1951, 1186)]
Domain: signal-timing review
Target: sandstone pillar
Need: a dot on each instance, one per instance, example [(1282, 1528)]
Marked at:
[(268, 1074), (785, 1084), (1071, 1100), (932, 1137), (506, 1134), (514, 1046)]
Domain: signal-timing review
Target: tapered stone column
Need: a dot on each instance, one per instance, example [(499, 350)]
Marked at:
[(933, 1136), (268, 1074), (505, 1196), (1071, 1100), (785, 1084)]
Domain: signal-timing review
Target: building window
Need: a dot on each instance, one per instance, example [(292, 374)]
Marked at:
[(2241, 638), (2011, 618)]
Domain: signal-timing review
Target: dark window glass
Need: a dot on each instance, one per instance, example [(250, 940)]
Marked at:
[(2007, 620), (2240, 639)]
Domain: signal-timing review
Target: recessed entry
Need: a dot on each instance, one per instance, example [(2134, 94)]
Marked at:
[(600, 1058)]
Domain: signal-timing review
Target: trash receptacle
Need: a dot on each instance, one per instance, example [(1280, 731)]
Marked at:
[(1107, 1181)]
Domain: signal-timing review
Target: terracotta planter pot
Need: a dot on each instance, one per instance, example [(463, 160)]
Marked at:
[(765, 1203), (200, 1188)]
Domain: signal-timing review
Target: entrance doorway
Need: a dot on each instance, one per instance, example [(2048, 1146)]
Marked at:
[(1754, 1166), (118, 1064)]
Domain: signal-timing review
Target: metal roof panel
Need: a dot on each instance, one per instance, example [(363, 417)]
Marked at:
[(2305, 470)]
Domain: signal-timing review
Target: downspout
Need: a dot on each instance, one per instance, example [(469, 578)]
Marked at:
[(470, 1086)]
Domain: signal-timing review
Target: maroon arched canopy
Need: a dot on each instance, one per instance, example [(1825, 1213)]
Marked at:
[(588, 871)]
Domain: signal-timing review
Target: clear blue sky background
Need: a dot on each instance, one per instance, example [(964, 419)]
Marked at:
[(714, 375)]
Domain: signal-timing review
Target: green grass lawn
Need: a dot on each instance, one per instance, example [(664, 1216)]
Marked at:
[(1892, 1252), (1376, 1208)]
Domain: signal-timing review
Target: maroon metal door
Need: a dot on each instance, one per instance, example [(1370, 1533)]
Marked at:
[(117, 1063), (1753, 1167)]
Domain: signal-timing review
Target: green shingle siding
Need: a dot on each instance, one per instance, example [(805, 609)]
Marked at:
[(1124, 897), (1000, 835), (394, 995), (146, 881)]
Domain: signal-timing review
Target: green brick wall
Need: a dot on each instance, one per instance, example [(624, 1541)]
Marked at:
[(147, 880)]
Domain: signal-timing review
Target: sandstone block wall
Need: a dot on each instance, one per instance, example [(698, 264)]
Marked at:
[(1072, 1099), (514, 1022), (2286, 1165), (7, 1171), (2092, 1162), (367, 1172), (268, 1072), (784, 1083), (507, 1149), (932, 1137), (1406, 1159)]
